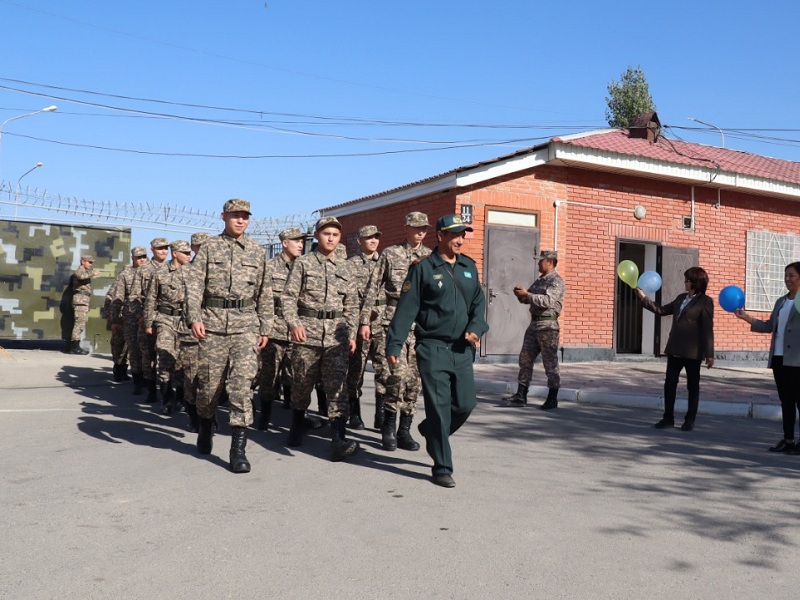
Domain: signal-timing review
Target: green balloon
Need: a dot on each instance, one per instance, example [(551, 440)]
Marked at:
[(628, 272)]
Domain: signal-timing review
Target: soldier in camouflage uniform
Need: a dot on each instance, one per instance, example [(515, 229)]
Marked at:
[(119, 351), (403, 383), (545, 296), (320, 305), (274, 354), (163, 308), (230, 308), (147, 343), (81, 296), (363, 265), (122, 316)]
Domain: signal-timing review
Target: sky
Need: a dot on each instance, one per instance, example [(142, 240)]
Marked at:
[(297, 105)]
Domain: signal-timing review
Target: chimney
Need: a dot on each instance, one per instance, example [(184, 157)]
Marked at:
[(646, 127)]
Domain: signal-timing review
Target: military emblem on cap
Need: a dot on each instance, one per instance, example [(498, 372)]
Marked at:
[(237, 205), (324, 222), (548, 254), (293, 233), (200, 238), (452, 224), (139, 251), (159, 243), (368, 231), (180, 246), (417, 219)]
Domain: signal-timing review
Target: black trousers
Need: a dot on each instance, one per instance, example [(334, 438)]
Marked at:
[(787, 380), (675, 365)]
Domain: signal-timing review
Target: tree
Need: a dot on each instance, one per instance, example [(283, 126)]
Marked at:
[(628, 97)]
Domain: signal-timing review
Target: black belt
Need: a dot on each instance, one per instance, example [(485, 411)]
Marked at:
[(544, 318), (380, 302), (222, 303), (166, 310), (319, 314), (392, 301)]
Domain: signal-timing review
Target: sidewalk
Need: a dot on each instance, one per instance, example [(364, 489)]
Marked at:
[(728, 388)]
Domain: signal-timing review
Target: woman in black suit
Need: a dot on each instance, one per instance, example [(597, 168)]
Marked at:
[(691, 340)]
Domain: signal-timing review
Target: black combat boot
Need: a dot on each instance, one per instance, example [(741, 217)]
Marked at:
[(116, 377), (355, 421), (239, 462), (123, 372), (520, 398), (179, 402), (404, 439), (75, 348), (152, 391), (205, 436), (341, 448), (552, 399), (67, 346), (389, 430), (194, 425), (322, 402), (138, 382), (378, 424), (287, 396), (295, 438), (266, 413), (167, 395)]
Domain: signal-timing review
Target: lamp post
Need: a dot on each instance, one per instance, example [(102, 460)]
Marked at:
[(710, 125), (16, 196), (52, 108)]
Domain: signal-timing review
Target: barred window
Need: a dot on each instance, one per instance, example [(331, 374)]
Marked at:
[(767, 255)]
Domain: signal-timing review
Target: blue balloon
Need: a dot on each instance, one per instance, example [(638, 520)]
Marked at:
[(649, 282), (731, 298)]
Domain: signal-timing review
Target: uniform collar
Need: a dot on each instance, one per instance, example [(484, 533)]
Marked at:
[(233, 240), (438, 259)]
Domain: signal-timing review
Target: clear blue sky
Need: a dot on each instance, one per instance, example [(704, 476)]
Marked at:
[(318, 68)]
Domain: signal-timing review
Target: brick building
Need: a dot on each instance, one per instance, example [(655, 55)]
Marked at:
[(599, 198)]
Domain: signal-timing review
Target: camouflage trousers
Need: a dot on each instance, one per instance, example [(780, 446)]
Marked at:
[(189, 356), (403, 383), (81, 311), (167, 350), (230, 362), (327, 366), (358, 364), (131, 332), (273, 358), (544, 342), (119, 349), (147, 349)]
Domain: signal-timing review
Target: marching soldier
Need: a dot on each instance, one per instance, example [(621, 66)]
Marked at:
[(122, 315), (119, 351), (81, 297)]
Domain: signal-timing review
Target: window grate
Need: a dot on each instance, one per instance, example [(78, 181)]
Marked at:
[(767, 256)]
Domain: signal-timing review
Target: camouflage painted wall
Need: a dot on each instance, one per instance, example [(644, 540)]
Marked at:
[(36, 263)]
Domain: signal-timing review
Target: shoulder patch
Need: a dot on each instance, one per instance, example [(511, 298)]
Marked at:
[(406, 286)]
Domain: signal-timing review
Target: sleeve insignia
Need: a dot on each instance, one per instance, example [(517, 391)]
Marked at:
[(406, 286)]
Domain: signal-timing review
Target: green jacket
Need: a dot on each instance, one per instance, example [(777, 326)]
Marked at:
[(431, 298)]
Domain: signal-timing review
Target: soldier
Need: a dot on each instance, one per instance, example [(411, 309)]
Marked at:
[(81, 296), (122, 316), (320, 305), (545, 296), (403, 383), (443, 295), (163, 308), (147, 343), (363, 265), (229, 307), (119, 351), (273, 355)]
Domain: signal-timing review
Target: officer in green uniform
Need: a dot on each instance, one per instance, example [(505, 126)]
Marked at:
[(443, 295)]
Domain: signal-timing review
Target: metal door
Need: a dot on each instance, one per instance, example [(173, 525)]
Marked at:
[(629, 313), (673, 262), (510, 260)]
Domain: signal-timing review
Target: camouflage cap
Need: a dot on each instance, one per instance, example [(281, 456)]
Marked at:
[(327, 222), (417, 219), (293, 233), (138, 251), (237, 205), (87, 257), (548, 254), (452, 224), (199, 238), (368, 231), (159, 243), (180, 246)]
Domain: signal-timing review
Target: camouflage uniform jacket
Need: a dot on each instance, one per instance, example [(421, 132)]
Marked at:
[(363, 268), (387, 279), (121, 296), (278, 268), (105, 312), (546, 295), (232, 270), (141, 283), (160, 293), (322, 284), (82, 287), (177, 294)]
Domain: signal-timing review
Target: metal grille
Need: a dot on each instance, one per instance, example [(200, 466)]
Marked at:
[(767, 255)]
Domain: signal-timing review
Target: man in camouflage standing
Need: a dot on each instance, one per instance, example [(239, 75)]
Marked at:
[(320, 305), (163, 308), (403, 383), (273, 355), (545, 296), (147, 344), (230, 309), (363, 265), (123, 317), (81, 297), (119, 351)]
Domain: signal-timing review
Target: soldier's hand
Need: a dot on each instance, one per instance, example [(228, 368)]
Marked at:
[(392, 360), (364, 332), (262, 342), (149, 331), (520, 292), (353, 345), (472, 338), (199, 330), (298, 334)]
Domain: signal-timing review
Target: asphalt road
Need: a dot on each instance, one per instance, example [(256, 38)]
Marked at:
[(103, 498)]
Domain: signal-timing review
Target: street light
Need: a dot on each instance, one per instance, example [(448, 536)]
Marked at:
[(16, 196), (51, 108), (710, 125)]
